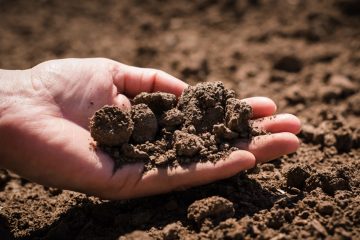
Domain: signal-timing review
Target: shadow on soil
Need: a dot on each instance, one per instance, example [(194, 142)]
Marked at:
[(109, 220)]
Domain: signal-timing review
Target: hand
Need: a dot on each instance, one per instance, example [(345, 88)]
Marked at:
[(45, 137)]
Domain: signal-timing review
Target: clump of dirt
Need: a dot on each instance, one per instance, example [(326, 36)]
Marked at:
[(303, 177), (328, 182), (158, 102), (296, 176), (213, 208), (145, 123), (160, 130), (110, 126), (331, 133), (325, 208), (174, 231), (205, 104), (187, 144)]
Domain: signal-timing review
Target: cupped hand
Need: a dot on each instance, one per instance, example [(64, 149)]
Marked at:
[(46, 131)]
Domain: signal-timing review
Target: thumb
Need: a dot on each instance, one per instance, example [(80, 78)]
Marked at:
[(122, 102)]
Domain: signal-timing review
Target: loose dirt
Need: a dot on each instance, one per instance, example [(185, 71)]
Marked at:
[(303, 54)]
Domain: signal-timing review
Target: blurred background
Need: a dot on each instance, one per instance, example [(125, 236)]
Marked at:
[(249, 44)]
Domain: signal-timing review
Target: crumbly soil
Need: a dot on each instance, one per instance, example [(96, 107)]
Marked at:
[(303, 54), (161, 131)]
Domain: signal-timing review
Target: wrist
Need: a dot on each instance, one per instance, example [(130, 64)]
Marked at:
[(14, 85)]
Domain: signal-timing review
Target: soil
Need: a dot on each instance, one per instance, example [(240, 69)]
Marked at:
[(201, 126), (112, 127), (303, 54)]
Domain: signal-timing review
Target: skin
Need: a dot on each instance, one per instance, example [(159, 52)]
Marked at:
[(44, 135)]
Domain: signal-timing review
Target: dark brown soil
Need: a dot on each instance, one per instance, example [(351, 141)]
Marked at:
[(303, 54), (112, 127), (161, 131)]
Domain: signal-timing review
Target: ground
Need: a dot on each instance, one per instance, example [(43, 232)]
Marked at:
[(303, 54)]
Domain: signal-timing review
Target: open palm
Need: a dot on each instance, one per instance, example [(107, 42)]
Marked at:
[(51, 129)]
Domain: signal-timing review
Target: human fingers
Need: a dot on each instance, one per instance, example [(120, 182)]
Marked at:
[(270, 147), (262, 106), (131, 81), (278, 123), (163, 180), (122, 102)]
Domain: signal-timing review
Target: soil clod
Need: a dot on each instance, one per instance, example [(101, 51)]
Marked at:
[(158, 102), (187, 144), (213, 208), (296, 176), (111, 126), (325, 208), (237, 115), (171, 118), (145, 123), (329, 183)]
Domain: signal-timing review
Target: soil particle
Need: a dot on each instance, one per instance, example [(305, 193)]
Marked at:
[(312, 134), (54, 191), (237, 115), (214, 208), (222, 132), (304, 214), (318, 227), (187, 144), (344, 139), (329, 183), (131, 151), (269, 167), (276, 219), (158, 102), (325, 208), (204, 105), (145, 123), (331, 133), (296, 176), (173, 231), (111, 126), (329, 140), (171, 118)]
